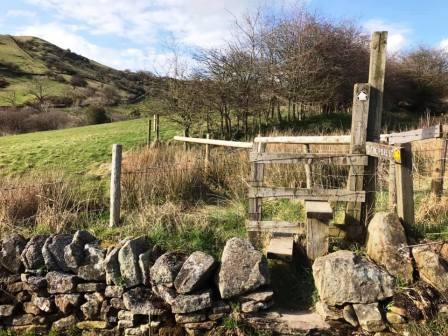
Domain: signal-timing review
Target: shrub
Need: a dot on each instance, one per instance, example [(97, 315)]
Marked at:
[(78, 81), (46, 121), (96, 115), (59, 101), (12, 120)]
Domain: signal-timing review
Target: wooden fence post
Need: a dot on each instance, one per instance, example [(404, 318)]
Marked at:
[(377, 70), (115, 186), (392, 186), (207, 154), (148, 141), (308, 171), (438, 172), (355, 212), (405, 187)]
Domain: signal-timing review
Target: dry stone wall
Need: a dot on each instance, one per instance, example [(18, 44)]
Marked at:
[(66, 281)]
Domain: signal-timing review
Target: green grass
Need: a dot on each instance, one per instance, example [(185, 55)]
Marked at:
[(77, 151)]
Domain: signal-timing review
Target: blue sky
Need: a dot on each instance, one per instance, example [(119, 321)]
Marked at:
[(134, 34)]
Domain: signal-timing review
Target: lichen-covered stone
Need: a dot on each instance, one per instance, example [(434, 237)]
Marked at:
[(67, 303), (188, 303), (11, 248), (128, 258), (61, 283), (369, 317), (166, 268), (53, 252), (431, 268), (74, 252), (194, 273), (31, 256)]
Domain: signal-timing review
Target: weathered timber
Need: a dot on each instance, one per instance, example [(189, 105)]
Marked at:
[(324, 139), (405, 188), (225, 143), (308, 158), (383, 151), (318, 216), (335, 195), (308, 169), (115, 186), (414, 135), (438, 172), (280, 248), (275, 227)]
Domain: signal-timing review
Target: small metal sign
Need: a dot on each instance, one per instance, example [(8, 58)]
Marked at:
[(362, 96)]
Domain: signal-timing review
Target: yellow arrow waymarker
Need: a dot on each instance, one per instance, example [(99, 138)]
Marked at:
[(396, 154)]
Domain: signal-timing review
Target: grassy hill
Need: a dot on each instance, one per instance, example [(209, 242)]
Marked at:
[(25, 60), (78, 151)]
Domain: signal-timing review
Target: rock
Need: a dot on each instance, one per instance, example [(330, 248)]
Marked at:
[(43, 303), (22, 297), (128, 260), (113, 292), (145, 263), (10, 252), (7, 310), (190, 318), (328, 313), (243, 269), (53, 252), (91, 309), (91, 325), (166, 268), (112, 266), (216, 317), (17, 287), (27, 319), (166, 294), (74, 253), (61, 283), (67, 303), (221, 307), (171, 331), (65, 323), (117, 303), (398, 310), (188, 303), (387, 245), (93, 268), (31, 256), (90, 287), (33, 329), (108, 313), (394, 318), (253, 307), (31, 308), (350, 316), (431, 268), (138, 300), (342, 277), (208, 325), (369, 317), (36, 283), (194, 273), (262, 296)]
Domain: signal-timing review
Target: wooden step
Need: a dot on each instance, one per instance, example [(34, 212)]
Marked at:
[(281, 247)]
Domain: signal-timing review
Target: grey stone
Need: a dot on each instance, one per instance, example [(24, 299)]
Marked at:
[(65, 323), (328, 313), (208, 325), (343, 277), (145, 263), (188, 303), (10, 252), (17, 287), (252, 306), (387, 245), (394, 318), (31, 308), (27, 319), (190, 318), (31, 256), (221, 307), (261, 296), (23, 296), (112, 266), (53, 252), (431, 268), (166, 268), (114, 291), (139, 301), (128, 259), (74, 253), (117, 303), (91, 325), (90, 287), (93, 268), (45, 304), (369, 317), (61, 283), (36, 283), (194, 273), (92, 307), (243, 269), (165, 293), (7, 310), (350, 316), (67, 303)]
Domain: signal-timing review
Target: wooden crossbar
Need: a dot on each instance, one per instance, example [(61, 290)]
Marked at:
[(275, 226), (335, 195), (324, 139), (308, 158)]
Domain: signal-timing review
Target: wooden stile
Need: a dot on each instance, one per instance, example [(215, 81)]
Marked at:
[(318, 216)]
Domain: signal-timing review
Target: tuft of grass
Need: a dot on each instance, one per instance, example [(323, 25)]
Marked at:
[(435, 327)]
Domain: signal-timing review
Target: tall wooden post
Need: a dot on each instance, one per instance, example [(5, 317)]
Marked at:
[(308, 171), (355, 212), (115, 186), (207, 154), (438, 172), (405, 187), (148, 141), (377, 70)]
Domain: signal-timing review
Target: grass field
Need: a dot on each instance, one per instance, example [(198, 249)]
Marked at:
[(78, 151)]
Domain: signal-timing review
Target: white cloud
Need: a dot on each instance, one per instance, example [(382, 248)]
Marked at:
[(444, 44), (20, 13), (129, 58), (397, 37)]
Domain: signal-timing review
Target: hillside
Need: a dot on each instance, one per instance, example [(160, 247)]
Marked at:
[(26, 62)]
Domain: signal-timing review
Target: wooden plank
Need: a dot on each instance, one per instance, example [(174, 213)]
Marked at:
[(324, 139), (414, 135), (383, 151), (308, 169), (225, 143), (318, 218), (275, 227), (308, 158), (342, 195), (355, 212), (280, 248), (405, 187)]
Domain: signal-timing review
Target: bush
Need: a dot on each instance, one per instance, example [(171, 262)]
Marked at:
[(59, 101), (78, 81), (46, 121), (12, 120), (96, 115)]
